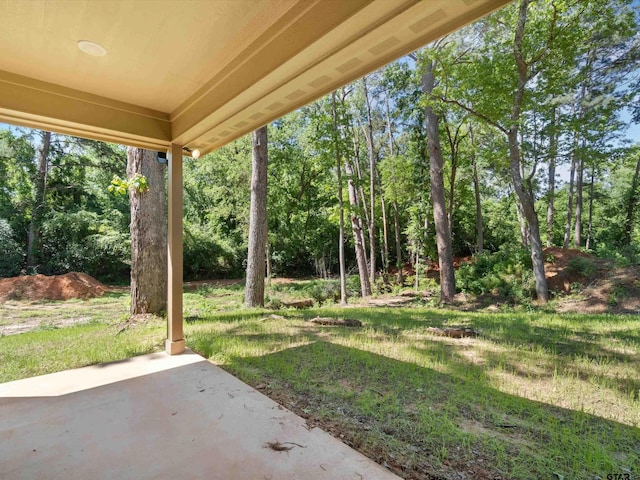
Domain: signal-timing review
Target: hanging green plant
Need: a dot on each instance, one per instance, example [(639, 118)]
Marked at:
[(137, 183)]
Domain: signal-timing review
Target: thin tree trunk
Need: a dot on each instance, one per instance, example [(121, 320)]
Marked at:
[(577, 234), (416, 267), (452, 191), (39, 202), (582, 111), (476, 191), (336, 146), (567, 227), (396, 226), (372, 174), (148, 234), (389, 125), (267, 253), (385, 236), (362, 200), (631, 204), (440, 218), (358, 235), (254, 289), (553, 152), (590, 225), (524, 192), (396, 219)]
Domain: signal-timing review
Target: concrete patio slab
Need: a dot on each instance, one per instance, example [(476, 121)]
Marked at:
[(159, 416)]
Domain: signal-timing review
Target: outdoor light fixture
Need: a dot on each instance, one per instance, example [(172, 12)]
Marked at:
[(162, 157), (192, 153), (92, 48)]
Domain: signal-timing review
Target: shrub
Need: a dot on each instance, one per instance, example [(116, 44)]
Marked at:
[(506, 272), (208, 255), (11, 253), (323, 290), (623, 256), (86, 242), (581, 266), (353, 286)]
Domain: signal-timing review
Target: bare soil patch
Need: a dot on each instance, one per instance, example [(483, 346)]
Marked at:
[(560, 277), (56, 287), (34, 323), (609, 289)]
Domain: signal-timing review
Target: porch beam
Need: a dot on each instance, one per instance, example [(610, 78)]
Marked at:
[(174, 344), (33, 103)]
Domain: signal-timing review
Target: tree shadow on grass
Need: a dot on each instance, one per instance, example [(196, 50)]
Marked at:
[(422, 422), (225, 317), (504, 329)]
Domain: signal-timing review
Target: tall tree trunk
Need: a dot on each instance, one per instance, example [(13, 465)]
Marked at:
[(389, 125), (358, 235), (590, 225), (476, 192), (440, 218), (362, 200), (416, 265), (524, 192), (396, 227), (267, 253), (577, 234), (385, 236), (396, 219), (524, 226), (372, 195), (553, 153), (336, 146), (39, 202), (572, 174), (452, 188), (148, 234), (631, 204), (254, 289), (582, 111)]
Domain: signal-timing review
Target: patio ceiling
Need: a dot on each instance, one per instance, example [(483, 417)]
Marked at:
[(198, 73)]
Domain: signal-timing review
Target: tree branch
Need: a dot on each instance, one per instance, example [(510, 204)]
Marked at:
[(475, 113)]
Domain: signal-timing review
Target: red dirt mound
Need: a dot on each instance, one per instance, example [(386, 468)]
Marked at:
[(56, 287), (559, 277)]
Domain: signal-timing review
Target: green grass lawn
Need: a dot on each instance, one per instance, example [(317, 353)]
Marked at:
[(536, 395)]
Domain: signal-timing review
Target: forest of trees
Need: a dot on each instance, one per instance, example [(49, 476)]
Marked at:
[(510, 134)]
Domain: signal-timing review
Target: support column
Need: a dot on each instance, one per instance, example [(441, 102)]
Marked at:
[(175, 338)]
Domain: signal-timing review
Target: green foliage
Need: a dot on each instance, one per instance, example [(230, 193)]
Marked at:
[(216, 210), (623, 256), (86, 242), (207, 255), (137, 183), (582, 58), (320, 290), (505, 273), (582, 266), (11, 252)]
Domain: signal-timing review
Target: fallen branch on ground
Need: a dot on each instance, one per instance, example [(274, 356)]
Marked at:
[(336, 322), (453, 332)]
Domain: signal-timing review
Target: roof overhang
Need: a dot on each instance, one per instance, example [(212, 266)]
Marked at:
[(196, 73)]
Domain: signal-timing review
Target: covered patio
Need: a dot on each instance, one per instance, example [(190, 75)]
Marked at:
[(183, 77), (161, 416)]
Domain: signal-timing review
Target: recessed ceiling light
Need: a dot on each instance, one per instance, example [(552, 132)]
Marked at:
[(92, 48)]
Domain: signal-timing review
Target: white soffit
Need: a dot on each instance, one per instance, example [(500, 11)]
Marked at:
[(199, 73)]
